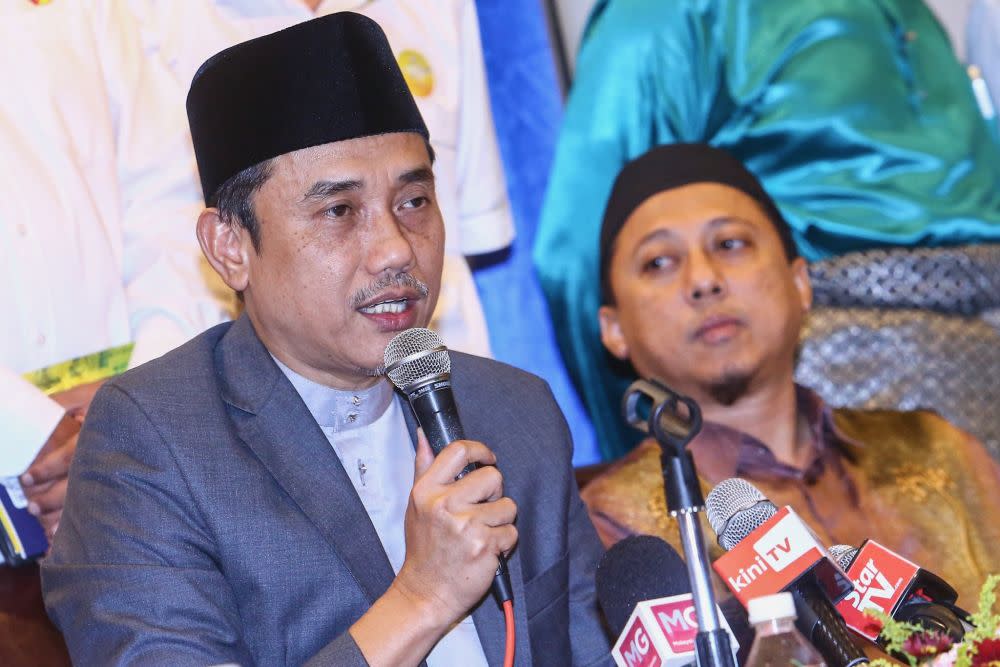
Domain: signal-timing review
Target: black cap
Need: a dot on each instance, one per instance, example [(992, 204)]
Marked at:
[(328, 79), (672, 166)]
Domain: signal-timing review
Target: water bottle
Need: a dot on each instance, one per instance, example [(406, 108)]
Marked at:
[(777, 642)]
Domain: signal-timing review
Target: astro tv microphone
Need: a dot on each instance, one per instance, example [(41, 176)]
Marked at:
[(643, 589), (885, 581), (772, 550), (418, 364)]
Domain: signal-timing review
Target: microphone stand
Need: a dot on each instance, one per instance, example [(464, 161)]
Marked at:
[(674, 420)]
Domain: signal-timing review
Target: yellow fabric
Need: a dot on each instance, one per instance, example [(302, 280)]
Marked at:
[(82, 370)]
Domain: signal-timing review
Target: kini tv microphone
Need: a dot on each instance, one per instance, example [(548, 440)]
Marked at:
[(417, 362), (645, 594), (887, 582), (772, 550)]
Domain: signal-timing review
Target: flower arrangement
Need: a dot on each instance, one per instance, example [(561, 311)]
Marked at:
[(979, 648)]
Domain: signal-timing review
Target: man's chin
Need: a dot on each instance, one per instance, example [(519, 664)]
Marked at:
[(729, 386)]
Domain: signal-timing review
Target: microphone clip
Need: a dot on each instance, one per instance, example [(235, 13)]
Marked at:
[(674, 420), (654, 408)]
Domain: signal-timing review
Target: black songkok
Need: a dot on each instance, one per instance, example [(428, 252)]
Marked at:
[(673, 166), (328, 79)]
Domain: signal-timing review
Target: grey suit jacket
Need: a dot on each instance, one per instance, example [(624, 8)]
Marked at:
[(208, 520)]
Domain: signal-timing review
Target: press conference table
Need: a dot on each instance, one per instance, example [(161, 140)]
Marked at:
[(27, 637)]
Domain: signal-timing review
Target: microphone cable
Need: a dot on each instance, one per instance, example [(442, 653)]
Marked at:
[(508, 614)]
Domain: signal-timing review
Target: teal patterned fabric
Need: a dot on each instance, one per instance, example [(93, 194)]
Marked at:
[(854, 113)]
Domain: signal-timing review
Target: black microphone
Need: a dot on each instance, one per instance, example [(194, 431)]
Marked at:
[(736, 508), (639, 567), (890, 583), (645, 594), (417, 362)]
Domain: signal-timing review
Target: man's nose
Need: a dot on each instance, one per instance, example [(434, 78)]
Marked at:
[(700, 292), (705, 280), (390, 248)]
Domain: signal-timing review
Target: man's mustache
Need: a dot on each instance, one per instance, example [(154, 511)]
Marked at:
[(403, 279)]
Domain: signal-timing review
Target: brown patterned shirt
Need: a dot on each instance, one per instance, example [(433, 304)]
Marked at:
[(909, 480)]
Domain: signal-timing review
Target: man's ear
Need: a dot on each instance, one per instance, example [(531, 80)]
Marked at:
[(611, 332), (226, 246), (800, 278)]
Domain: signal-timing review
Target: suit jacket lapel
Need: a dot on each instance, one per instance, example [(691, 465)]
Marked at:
[(272, 420), (276, 425), (488, 616)]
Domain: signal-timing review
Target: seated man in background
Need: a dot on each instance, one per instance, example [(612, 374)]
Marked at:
[(260, 495), (856, 115), (702, 289)]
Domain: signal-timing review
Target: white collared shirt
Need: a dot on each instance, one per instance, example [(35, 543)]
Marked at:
[(368, 432), (97, 205)]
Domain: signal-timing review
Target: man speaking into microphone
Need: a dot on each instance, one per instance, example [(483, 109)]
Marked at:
[(260, 495), (702, 289)]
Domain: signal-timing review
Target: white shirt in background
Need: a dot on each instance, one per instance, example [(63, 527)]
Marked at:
[(98, 204), (953, 16)]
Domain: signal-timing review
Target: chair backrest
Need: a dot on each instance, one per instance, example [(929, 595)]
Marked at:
[(27, 636), (909, 328)]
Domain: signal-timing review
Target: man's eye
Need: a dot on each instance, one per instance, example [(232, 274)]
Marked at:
[(658, 263), (338, 211), (732, 244), (416, 202)]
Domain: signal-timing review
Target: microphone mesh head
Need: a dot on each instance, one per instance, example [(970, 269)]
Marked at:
[(843, 554), (640, 567), (735, 508), (429, 357)]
